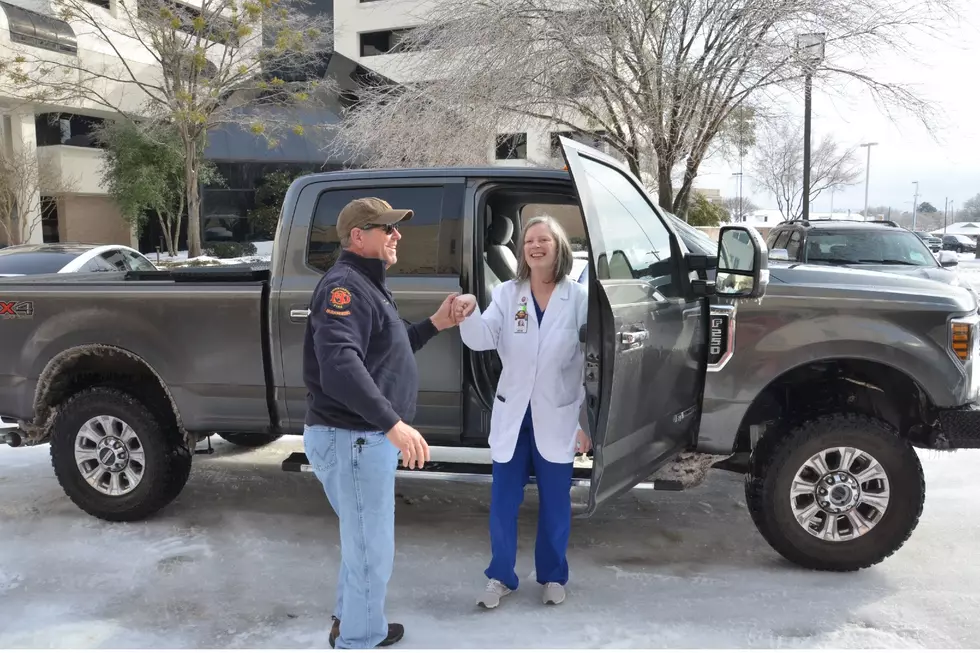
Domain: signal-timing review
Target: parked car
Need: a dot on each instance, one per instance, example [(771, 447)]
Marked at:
[(65, 258), (879, 246), (934, 243), (815, 383), (959, 243)]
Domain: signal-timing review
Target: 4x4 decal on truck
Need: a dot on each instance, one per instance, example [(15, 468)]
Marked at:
[(16, 310), (721, 336)]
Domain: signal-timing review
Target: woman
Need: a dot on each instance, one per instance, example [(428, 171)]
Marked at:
[(533, 322)]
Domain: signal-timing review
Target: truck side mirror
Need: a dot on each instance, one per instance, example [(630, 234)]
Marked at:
[(948, 259), (778, 255), (743, 263)]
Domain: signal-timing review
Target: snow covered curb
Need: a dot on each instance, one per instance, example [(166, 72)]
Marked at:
[(263, 254)]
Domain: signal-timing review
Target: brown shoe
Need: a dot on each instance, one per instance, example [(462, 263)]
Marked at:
[(395, 633)]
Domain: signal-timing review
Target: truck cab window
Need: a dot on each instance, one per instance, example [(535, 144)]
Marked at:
[(781, 240), (418, 250), (793, 247)]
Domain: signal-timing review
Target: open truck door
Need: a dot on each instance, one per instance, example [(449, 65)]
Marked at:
[(647, 335)]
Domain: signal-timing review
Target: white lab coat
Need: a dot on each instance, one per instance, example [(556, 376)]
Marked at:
[(545, 366)]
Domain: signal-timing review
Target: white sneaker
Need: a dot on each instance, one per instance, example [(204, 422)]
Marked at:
[(491, 596), (553, 594)]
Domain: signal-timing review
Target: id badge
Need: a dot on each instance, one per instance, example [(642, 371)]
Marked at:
[(520, 318)]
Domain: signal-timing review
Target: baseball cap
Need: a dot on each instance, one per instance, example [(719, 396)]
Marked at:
[(369, 210)]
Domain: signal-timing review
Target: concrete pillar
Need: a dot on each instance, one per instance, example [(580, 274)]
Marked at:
[(20, 146)]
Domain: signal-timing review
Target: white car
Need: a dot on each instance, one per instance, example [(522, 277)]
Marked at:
[(64, 258)]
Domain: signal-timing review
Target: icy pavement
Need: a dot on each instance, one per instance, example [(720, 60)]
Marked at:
[(247, 557)]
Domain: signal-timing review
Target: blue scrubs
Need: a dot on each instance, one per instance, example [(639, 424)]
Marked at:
[(554, 516)]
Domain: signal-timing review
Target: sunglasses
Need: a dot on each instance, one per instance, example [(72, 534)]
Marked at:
[(387, 228)]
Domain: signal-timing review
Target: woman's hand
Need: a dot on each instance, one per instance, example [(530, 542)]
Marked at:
[(463, 307), (582, 442)]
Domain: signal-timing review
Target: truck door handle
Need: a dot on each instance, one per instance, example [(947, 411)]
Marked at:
[(299, 313), (633, 339)]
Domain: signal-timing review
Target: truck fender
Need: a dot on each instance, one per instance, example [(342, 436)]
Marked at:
[(761, 357), (45, 390)]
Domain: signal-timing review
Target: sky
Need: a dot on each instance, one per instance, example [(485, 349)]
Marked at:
[(946, 164)]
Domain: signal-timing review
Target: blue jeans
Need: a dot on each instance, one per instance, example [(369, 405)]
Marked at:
[(357, 470), (554, 512)]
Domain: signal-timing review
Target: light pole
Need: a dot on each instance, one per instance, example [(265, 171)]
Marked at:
[(739, 175), (915, 204), (811, 51), (867, 177)]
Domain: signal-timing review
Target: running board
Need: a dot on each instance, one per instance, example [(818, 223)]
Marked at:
[(475, 473)]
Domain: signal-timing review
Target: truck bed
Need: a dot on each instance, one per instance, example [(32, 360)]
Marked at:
[(203, 332)]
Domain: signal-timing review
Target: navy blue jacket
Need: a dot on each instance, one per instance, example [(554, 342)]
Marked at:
[(359, 355)]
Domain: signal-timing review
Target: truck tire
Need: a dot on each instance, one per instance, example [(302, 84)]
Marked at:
[(113, 458), (250, 440), (839, 493)]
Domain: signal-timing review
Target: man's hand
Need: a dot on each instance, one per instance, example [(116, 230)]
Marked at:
[(582, 442), (414, 448), (445, 318), (463, 307)]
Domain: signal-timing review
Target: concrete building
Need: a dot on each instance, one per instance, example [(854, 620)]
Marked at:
[(67, 199), (369, 31)]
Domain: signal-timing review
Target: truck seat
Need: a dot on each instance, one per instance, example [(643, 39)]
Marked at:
[(500, 257)]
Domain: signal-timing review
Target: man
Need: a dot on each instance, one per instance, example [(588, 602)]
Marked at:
[(362, 381)]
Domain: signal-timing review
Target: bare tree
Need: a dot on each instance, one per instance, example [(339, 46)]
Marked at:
[(22, 182), (196, 66), (657, 78), (778, 167), (736, 204), (971, 208)]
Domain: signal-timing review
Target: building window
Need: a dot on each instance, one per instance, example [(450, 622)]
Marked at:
[(385, 42), (228, 207), (67, 129), (420, 252), (31, 28), (101, 3), (511, 146), (50, 232)]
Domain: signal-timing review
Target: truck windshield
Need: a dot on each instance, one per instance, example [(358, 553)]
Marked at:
[(34, 262), (870, 247)]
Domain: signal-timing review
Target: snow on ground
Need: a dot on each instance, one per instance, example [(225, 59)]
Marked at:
[(247, 557), (263, 254)]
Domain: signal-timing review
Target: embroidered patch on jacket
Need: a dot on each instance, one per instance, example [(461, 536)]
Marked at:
[(340, 299)]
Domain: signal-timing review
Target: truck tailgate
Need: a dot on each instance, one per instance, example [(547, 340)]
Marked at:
[(204, 337)]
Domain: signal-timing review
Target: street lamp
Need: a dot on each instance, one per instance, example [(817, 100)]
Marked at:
[(811, 52), (867, 176), (739, 175), (915, 204)]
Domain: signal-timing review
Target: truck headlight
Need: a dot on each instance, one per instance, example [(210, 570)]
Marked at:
[(964, 344)]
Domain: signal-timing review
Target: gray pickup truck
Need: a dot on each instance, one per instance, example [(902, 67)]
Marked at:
[(815, 383)]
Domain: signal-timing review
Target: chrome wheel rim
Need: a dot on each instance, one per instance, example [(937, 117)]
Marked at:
[(109, 455), (839, 494)]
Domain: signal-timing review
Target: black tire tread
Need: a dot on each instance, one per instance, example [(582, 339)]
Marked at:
[(174, 460), (775, 454)]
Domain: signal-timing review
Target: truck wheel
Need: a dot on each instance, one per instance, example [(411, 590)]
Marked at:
[(250, 440), (839, 493), (113, 457)]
